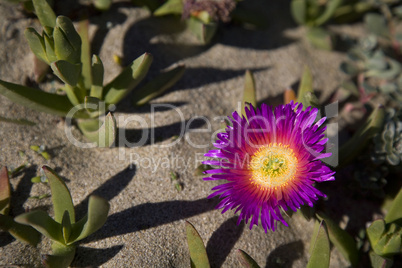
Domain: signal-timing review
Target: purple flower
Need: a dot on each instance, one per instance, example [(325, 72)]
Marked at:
[(270, 159)]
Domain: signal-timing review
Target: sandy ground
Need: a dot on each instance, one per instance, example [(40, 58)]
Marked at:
[(146, 227)]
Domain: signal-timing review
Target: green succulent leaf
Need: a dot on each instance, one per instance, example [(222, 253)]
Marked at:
[(49, 46), (5, 191), (66, 227), (45, 13), (102, 4), (170, 7), (98, 209), (61, 197), (320, 249), (67, 42), (395, 212), (380, 262), (97, 71), (248, 92), (298, 9), (198, 253), (36, 43), (38, 100), (385, 239), (158, 85), (376, 24), (85, 54), (104, 135), (21, 232), (129, 78), (203, 31), (94, 106), (43, 223), (61, 258), (330, 9), (319, 38), (305, 94), (358, 142), (245, 260), (341, 239), (67, 72)]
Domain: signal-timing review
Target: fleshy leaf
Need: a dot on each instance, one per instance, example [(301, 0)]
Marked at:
[(66, 226), (61, 258), (102, 4), (67, 42), (306, 86), (97, 77), (43, 223), (19, 231), (320, 247), (158, 85), (49, 46), (330, 8), (5, 191), (245, 260), (198, 253), (103, 136), (170, 7), (395, 211), (380, 262), (98, 209), (85, 53), (356, 144), (385, 239), (69, 73), (248, 92), (36, 43), (204, 32), (45, 13), (61, 197), (342, 240), (298, 10), (38, 100), (319, 38), (376, 24), (116, 90)]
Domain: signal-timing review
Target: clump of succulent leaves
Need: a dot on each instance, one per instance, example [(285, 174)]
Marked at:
[(385, 235), (373, 72), (388, 142), (68, 54), (19, 231), (203, 16), (63, 229), (314, 14)]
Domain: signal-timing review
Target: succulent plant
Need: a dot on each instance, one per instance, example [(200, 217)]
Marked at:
[(375, 72), (388, 143), (385, 235), (86, 97), (203, 16), (19, 231), (64, 230)]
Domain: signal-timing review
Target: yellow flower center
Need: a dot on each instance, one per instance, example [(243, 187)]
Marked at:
[(273, 165)]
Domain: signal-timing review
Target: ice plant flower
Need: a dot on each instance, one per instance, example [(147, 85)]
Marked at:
[(270, 160)]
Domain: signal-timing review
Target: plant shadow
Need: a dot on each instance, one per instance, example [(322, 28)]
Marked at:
[(149, 215), (285, 255), (94, 257), (223, 240)]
